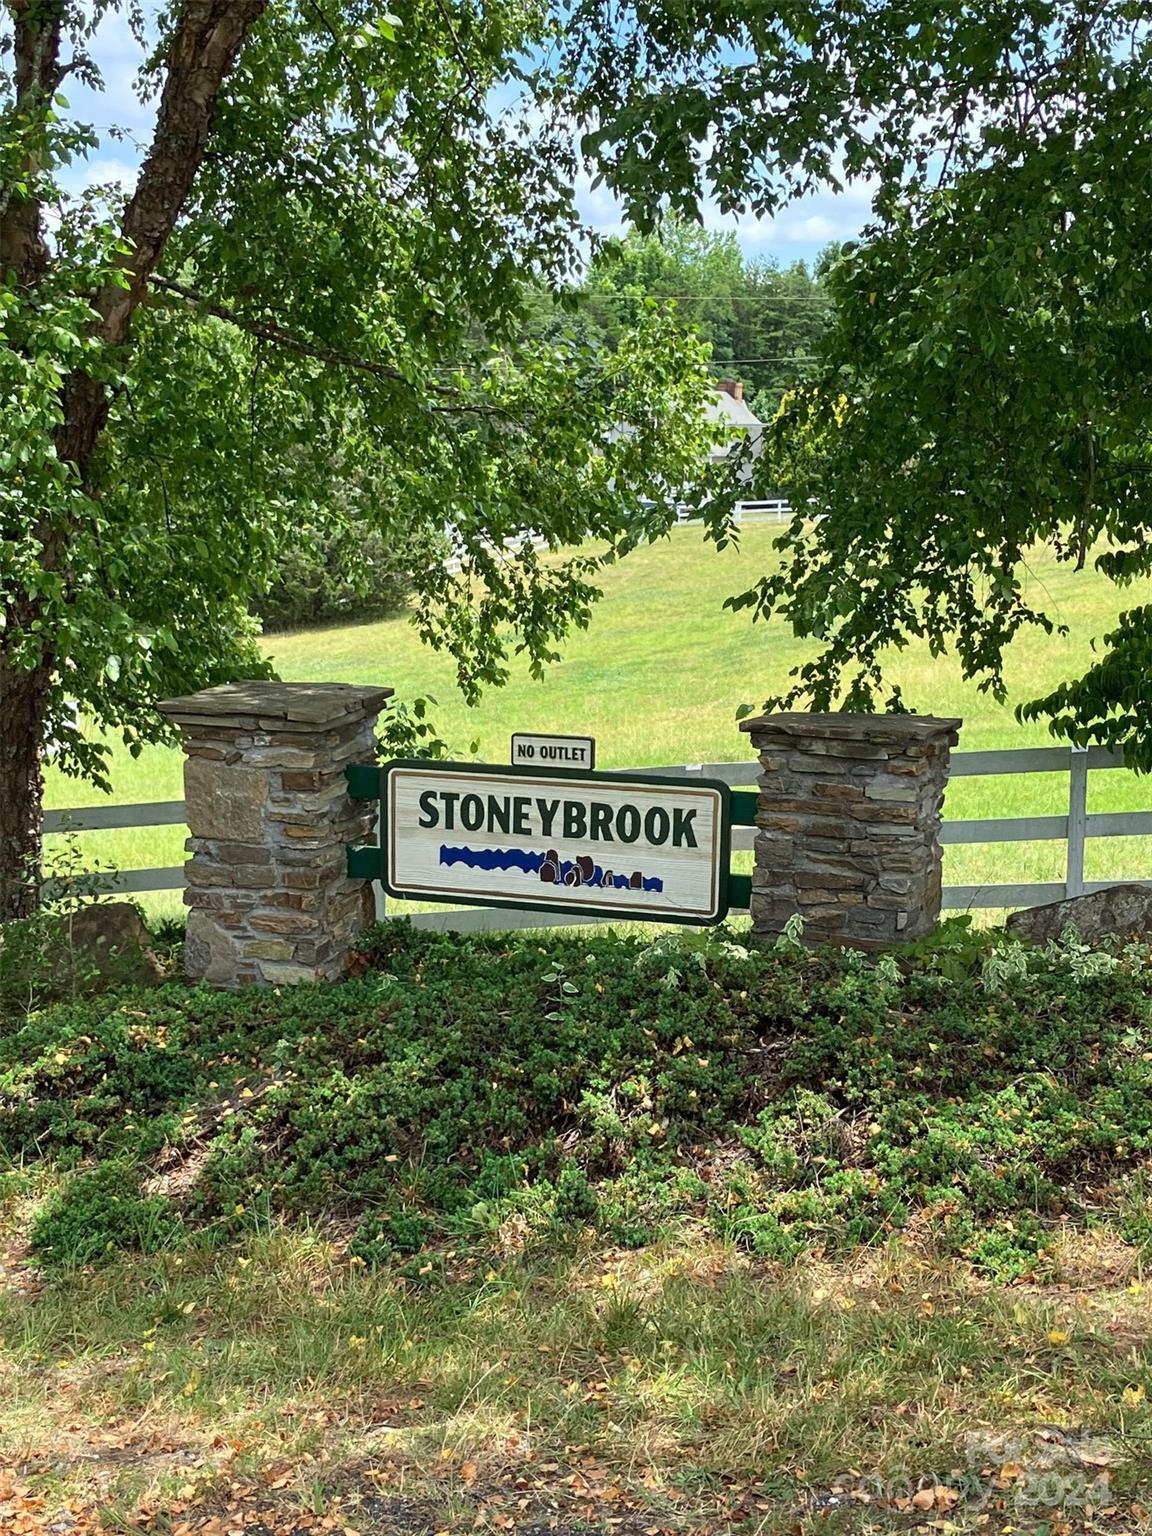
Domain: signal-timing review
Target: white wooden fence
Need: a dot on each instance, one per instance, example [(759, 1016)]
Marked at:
[(745, 512), (1072, 828), (454, 564)]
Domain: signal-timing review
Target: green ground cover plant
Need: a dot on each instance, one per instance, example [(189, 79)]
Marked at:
[(461, 1095)]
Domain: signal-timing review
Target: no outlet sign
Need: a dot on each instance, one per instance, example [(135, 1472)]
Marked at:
[(529, 751)]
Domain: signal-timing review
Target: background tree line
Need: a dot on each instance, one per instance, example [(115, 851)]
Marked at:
[(761, 321)]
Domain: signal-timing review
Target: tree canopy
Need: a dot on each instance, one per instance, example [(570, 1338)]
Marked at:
[(985, 384), (761, 321), (326, 259)]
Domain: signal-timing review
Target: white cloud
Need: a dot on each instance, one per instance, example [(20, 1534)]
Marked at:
[(812, 222), (800, 231), (817, 226), (104, 172), (120, 120)]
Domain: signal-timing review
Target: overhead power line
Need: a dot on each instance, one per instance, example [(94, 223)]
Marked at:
[(785, 357), (715, 298)]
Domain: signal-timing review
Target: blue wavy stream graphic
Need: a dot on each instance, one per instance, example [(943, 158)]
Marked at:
[(549, 867)]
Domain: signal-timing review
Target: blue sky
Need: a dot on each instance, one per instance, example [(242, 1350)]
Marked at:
[(799, 233)]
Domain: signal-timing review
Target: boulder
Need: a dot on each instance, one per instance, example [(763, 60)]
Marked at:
[(108, 942), (1118, 911)]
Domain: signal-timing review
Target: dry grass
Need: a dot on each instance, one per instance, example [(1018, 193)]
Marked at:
[(282, 1387)]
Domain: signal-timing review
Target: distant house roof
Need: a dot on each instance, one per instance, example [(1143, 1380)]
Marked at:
[(726, 403), (726, 407)]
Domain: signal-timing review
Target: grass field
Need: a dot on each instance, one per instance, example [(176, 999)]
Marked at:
[(658, 679), (274, 1390)]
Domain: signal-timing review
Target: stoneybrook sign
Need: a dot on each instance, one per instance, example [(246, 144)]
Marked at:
[(603, 843), (278, 880)]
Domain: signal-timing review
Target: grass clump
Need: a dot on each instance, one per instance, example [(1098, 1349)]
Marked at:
[(503, 1091)]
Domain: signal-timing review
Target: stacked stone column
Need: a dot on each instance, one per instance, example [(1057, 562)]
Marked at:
[(849, 820), (269, 897)]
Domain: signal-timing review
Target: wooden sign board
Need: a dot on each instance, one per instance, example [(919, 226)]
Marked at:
[(639, 847), (532, 751)]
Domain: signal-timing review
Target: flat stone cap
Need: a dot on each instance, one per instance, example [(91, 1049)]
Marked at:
[(842, 726), (294, 704)]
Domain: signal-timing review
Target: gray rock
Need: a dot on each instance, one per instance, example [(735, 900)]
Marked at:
[(58, 954), (1118, 911), (225, 803), (107, 941), (311, 704)]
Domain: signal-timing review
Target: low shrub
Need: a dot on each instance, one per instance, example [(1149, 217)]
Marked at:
[(354, 573), (101, 1213), (507, 1089)]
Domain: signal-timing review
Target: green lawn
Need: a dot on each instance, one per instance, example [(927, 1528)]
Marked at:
[(658, 679)]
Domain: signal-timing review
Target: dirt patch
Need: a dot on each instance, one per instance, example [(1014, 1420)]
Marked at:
[(17, 1275), (350, 1503)]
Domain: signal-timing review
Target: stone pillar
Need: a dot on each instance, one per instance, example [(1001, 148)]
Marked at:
[(269, 897), (849, 818)]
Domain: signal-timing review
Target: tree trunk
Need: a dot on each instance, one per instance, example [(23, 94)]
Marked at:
[(23, 696), (206, 39)]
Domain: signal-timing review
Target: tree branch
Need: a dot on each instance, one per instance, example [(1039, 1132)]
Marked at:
[(206, 41), (303, 346)]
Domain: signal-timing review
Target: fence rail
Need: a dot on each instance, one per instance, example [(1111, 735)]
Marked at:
[(776, 510), (1074, 828)]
